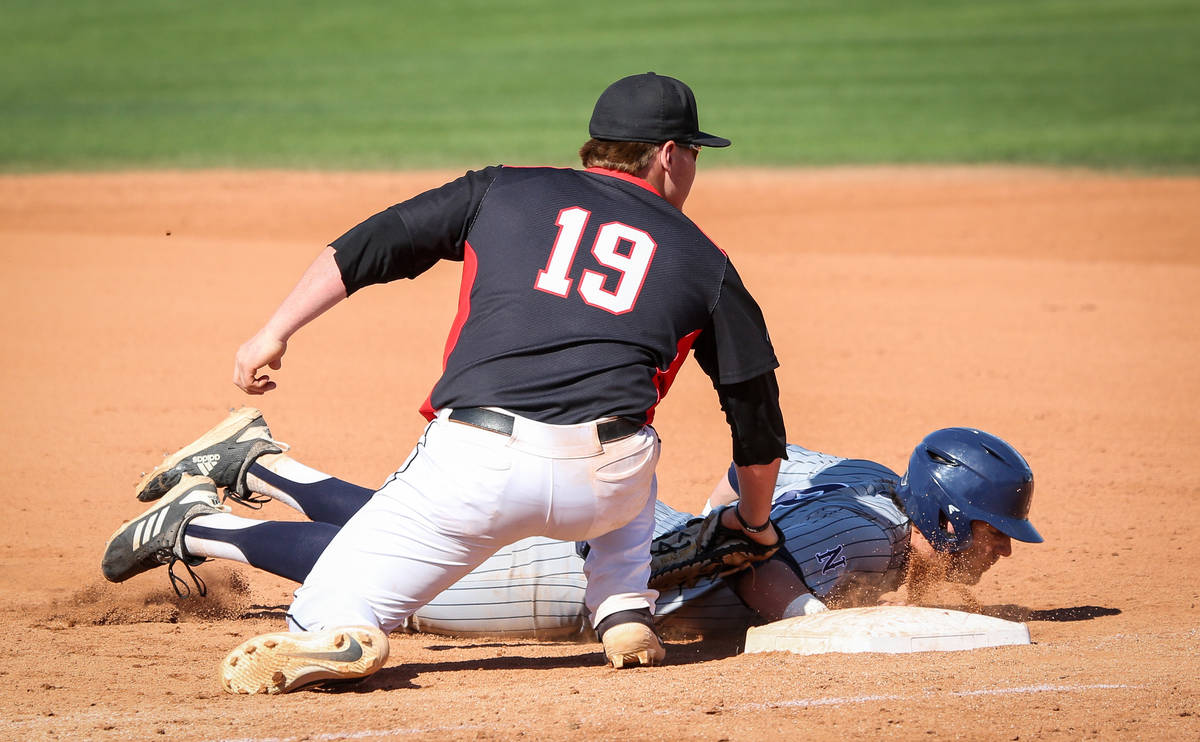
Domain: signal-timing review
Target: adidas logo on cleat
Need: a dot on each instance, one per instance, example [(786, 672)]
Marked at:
[(150, 527), (206, 463)]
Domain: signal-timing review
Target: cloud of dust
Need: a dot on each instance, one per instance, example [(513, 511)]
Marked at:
[(104, 603)]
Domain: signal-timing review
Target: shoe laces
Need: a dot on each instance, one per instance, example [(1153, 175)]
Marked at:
[(179, 584), (177, 555), (250, 500)]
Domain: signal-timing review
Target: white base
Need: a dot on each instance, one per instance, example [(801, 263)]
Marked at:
[(890, 629)]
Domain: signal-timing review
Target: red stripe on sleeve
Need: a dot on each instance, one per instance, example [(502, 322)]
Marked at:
[(470, 267)]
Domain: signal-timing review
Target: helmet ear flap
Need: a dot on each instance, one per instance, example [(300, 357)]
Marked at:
[(928, 506), (956, 529)]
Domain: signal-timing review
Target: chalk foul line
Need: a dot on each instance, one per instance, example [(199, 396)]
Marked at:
[(844, 701)]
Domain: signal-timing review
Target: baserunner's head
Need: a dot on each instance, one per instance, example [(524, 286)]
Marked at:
[(647, 125), (968, 493)]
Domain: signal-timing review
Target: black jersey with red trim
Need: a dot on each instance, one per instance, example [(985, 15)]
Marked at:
[(582, 292)]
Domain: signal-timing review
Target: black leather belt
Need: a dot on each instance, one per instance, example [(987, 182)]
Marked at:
[(498, 422)]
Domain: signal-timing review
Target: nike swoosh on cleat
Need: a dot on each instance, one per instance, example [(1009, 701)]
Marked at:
[(352, 653)]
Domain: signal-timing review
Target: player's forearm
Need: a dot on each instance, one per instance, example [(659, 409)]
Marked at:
[(769, 588), (319, 288), (752, 512), (756, 485), (722, 494)]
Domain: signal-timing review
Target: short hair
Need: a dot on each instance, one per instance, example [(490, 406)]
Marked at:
[(626, 157)]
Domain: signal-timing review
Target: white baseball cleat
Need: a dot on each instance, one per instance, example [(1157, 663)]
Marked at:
[(633, 644), (286, 661)]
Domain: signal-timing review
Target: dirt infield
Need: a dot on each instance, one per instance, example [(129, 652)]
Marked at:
[(1058, 310)]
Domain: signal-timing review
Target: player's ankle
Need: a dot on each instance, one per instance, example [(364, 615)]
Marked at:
[(639, 615)]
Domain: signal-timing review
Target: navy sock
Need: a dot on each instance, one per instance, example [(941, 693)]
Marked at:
[(280, 547), (328, 500)]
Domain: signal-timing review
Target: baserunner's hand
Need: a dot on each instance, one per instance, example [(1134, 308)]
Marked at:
[(259, 351)]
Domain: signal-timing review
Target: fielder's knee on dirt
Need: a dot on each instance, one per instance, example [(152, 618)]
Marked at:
[(326, 609)]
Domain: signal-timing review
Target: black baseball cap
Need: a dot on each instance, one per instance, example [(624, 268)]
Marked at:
[(649, 108)]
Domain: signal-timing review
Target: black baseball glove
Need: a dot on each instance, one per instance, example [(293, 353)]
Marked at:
[(704, 548)]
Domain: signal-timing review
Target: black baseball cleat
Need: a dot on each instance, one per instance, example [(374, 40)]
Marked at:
[(223, 454), (155, 537)]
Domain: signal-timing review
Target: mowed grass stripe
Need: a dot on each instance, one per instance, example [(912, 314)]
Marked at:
[(357, 84)]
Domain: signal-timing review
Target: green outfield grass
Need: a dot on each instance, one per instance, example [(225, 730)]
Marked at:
[(359, 84)]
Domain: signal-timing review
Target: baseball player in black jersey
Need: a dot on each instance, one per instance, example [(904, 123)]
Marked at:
[(582, 293)]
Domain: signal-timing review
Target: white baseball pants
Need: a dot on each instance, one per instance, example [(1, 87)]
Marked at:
[(464, 493)]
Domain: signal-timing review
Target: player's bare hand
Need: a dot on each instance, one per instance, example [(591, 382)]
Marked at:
[(730, 520), (259, 351)]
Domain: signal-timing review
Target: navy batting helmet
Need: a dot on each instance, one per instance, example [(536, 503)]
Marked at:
[(957, 475)]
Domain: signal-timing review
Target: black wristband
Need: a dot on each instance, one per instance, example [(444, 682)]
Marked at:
[(737, 512)]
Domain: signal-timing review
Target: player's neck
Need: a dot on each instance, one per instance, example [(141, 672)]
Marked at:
[(659, 180), (926, 566)]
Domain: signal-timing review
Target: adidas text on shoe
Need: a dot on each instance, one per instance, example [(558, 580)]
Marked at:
[(285, 661), (633, 644), (155, 537), (223, 454)]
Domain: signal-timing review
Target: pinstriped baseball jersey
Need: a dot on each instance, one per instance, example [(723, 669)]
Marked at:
[(534, 587), (842, 526)]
